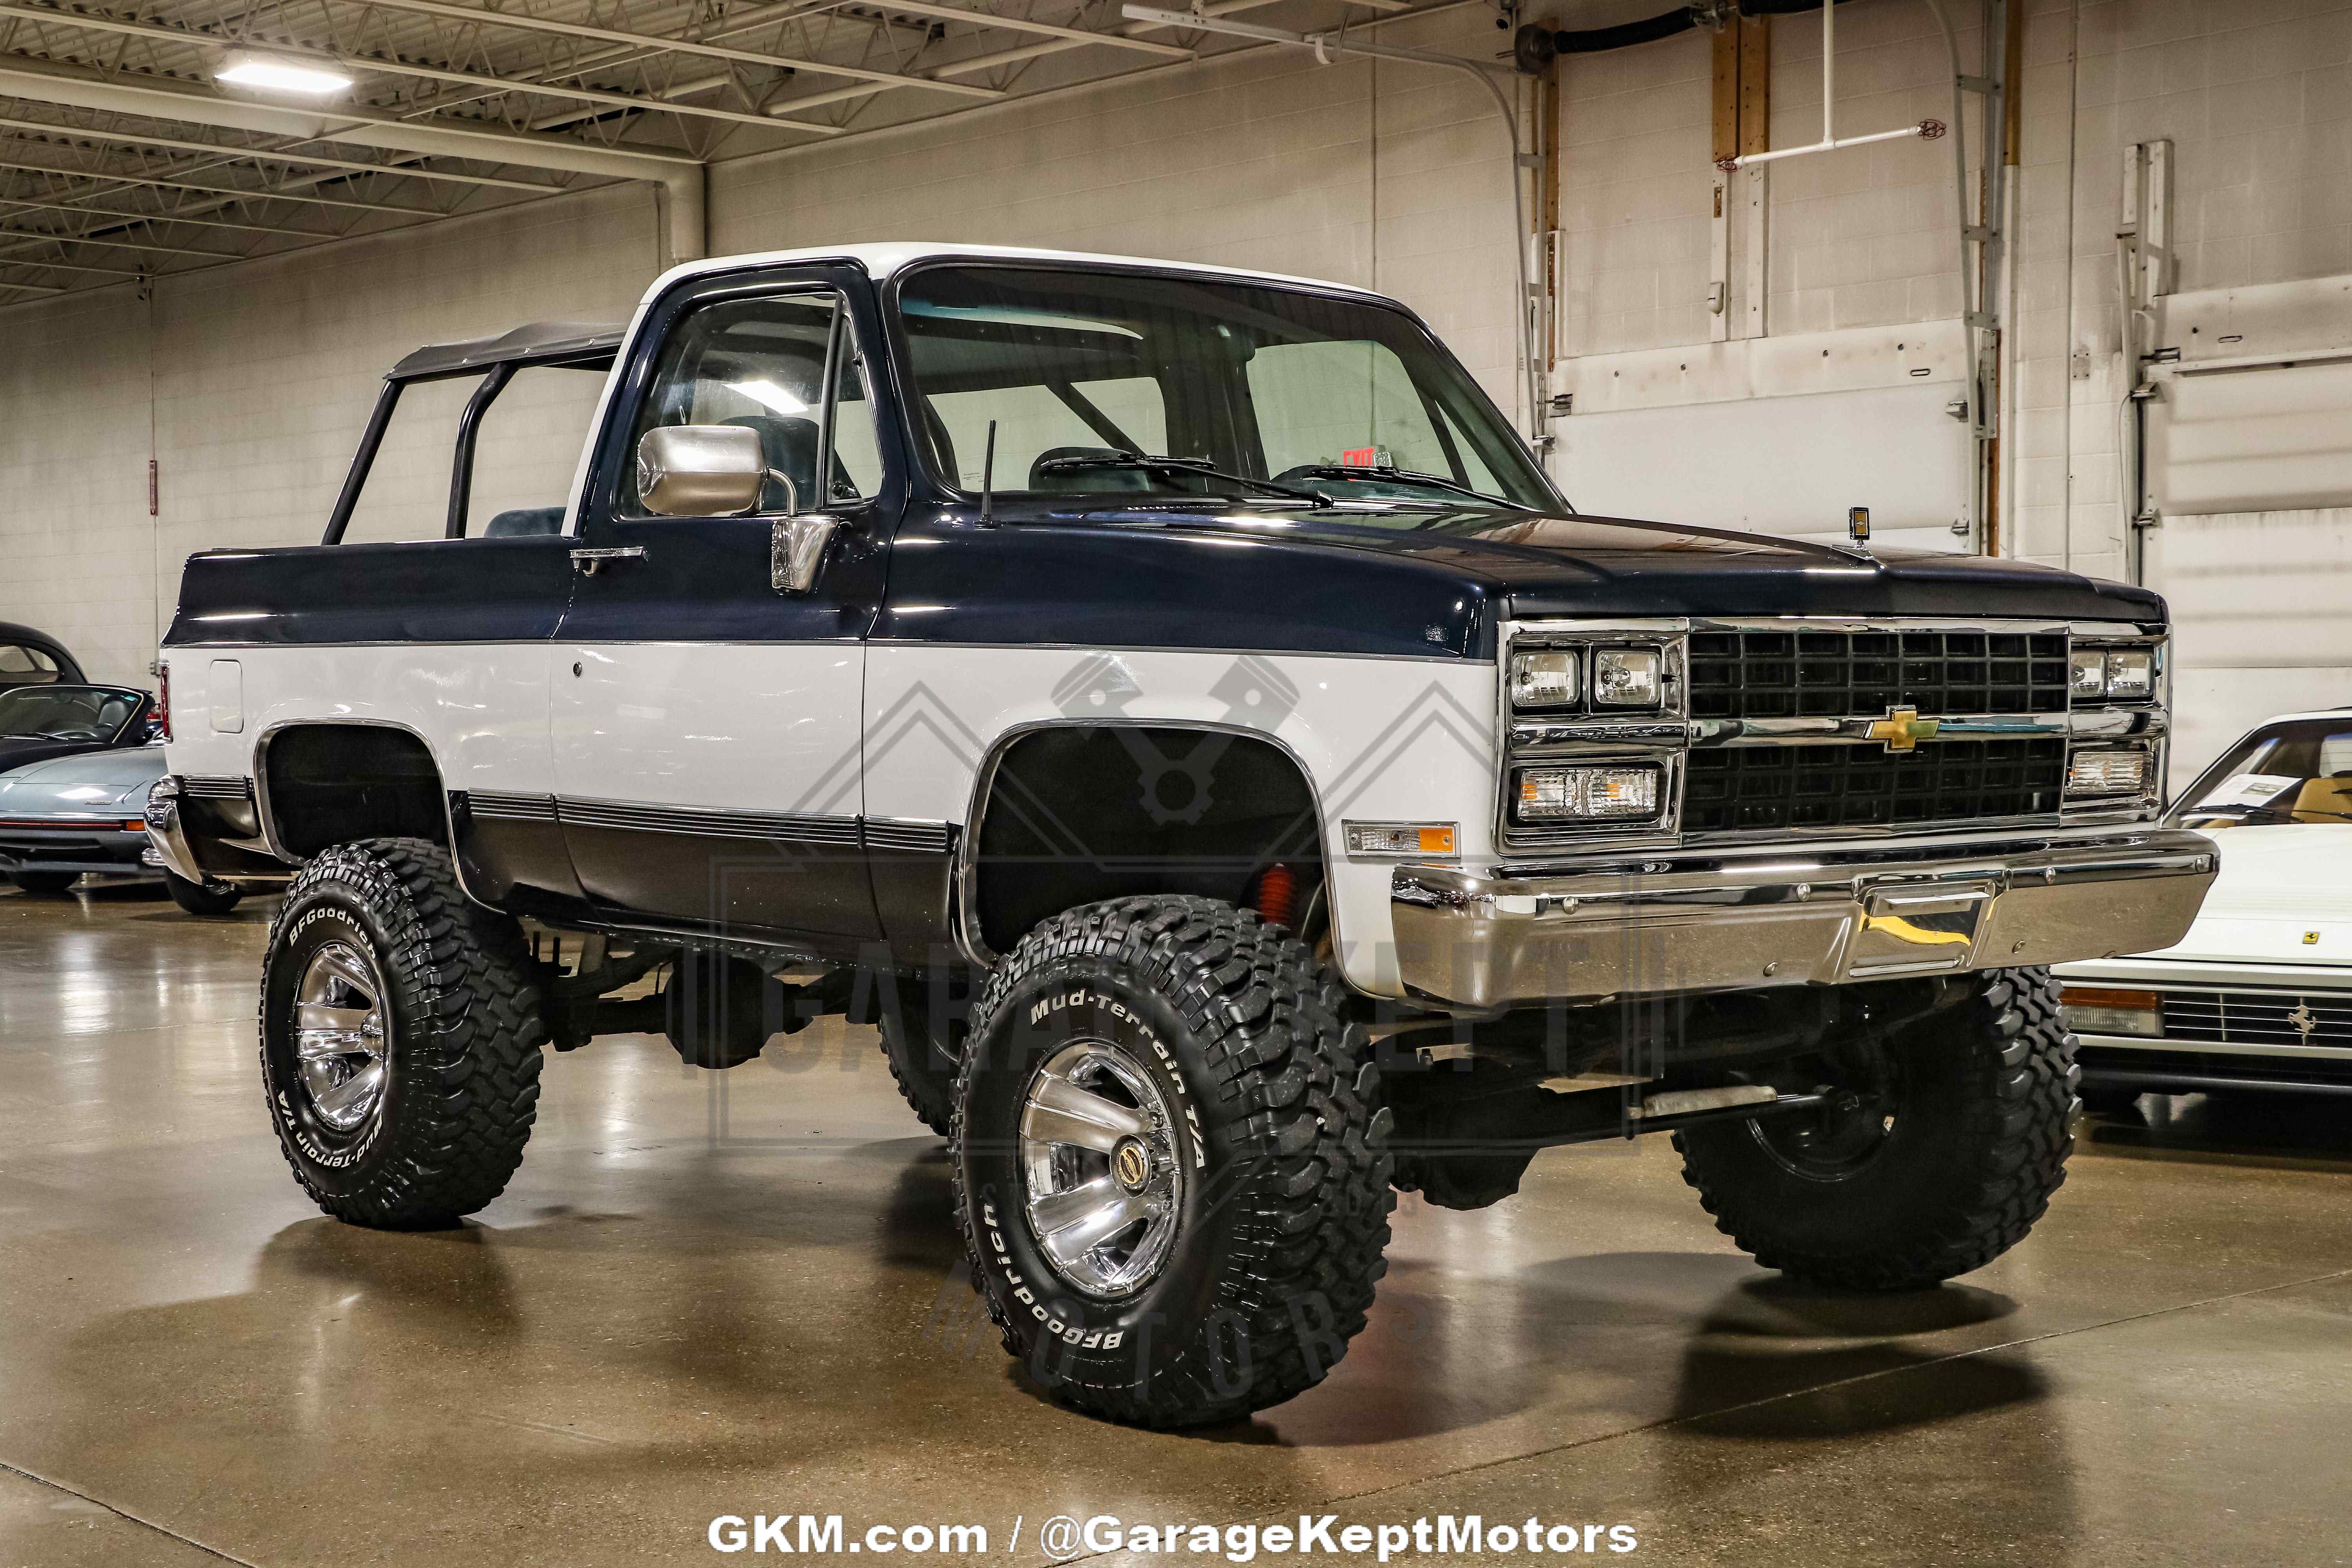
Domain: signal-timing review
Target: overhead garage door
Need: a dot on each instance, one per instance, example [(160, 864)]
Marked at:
[(2249, 466)]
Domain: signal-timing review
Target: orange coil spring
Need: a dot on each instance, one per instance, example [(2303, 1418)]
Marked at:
[(1278, 890)]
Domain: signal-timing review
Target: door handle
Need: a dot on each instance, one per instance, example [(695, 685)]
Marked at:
[(588, 563)]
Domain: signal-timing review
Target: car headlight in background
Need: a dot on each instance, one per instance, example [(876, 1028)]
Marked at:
[(1545, 680), (1627, 677), (2107, 773), (2105, 1010), (2121, 674), (1616, 792)]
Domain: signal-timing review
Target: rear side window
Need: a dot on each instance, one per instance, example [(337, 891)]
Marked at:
[(22, 666), (525, 449)]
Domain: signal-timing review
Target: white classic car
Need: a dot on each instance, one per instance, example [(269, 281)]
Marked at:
[(2258, 996)]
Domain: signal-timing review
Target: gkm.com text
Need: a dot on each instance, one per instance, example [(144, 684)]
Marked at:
[(1065, 1536)]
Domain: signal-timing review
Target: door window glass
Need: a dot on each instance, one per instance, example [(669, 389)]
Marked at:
[(760, 364)]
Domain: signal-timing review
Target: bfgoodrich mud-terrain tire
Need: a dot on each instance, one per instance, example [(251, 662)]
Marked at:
[(1184, 1061), (400, 1036), (1939, 1169)]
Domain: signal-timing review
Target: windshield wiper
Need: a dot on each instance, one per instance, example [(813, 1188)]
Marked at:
[(1405, 476), (1199, 466)]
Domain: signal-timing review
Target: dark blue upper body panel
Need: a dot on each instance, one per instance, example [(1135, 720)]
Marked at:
[(1277, 580)]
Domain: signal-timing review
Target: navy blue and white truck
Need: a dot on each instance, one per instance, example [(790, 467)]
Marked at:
[(1174, 705)]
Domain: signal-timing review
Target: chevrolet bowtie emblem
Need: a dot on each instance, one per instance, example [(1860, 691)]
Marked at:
[(1902, 730)]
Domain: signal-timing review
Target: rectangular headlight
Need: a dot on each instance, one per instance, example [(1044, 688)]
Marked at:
[(2131, 674), (2088, 672), (1543, 680), (1402, 838), (2107, 773), (2118, 674), (1627, 677), (1614, 794), (2105, 1010)]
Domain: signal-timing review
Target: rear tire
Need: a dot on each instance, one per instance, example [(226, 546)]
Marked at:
[(1943, 1170), (922, 1043), (400, 1036), (198, 899), (1238, 1100), (47, 884)]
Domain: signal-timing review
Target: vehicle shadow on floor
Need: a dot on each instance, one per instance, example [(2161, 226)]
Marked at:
[(2251, 1127), (1640, 1339)]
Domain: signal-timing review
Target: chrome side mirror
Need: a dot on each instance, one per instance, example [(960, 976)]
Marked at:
[(703, 470)]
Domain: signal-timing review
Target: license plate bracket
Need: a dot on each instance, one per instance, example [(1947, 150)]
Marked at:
[(1917, 929)]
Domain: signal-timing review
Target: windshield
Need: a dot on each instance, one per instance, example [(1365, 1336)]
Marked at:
[(2299, 771), (66, 712), (1254, 386)]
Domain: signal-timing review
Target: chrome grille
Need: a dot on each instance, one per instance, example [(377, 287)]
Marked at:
[(1833, 674), (1753, 788), (2257, 1017)]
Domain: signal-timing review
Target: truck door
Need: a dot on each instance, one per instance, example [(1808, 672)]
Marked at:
[(704, 719)]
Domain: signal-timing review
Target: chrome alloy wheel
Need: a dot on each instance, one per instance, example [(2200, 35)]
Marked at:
[(1103, 1187), (340, 1031)]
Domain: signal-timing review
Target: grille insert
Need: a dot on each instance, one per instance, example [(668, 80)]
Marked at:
[(1741, 789), (2256, 1017), (1808, 675)]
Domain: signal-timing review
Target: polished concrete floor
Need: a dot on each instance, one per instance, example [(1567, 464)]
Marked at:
[(736, 1293)]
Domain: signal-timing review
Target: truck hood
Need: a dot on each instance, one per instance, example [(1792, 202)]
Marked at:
[(2276, 886), (94, 781), (1609, 565)]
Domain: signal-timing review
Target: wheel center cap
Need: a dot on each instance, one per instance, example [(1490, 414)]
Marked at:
[(1131, 1164)]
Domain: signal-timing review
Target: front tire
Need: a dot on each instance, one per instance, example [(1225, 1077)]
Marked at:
[(1170, 1170), (47, 884), (400, 1037), (198, 898), (1947, 1155)]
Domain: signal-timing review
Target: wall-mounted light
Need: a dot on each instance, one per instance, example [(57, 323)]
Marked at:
[(275, 74)]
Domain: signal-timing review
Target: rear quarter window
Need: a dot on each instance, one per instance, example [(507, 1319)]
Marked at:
[(22, 666)]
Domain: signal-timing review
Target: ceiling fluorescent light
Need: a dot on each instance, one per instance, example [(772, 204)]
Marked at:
[(275, 75), (769, 394)]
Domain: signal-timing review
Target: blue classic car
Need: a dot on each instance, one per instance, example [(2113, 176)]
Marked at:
[(71, 816)]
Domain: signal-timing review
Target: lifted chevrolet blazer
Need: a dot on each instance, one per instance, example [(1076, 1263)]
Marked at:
[(1171, 703)]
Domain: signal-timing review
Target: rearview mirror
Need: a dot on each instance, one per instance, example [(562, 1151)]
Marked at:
[(703, 470)]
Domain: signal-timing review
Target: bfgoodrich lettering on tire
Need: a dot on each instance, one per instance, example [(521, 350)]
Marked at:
[(400, 1036), (1170, 1170), (1934, 1160)]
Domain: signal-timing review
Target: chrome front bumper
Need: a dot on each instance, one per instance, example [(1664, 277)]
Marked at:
[(1805, 917)]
